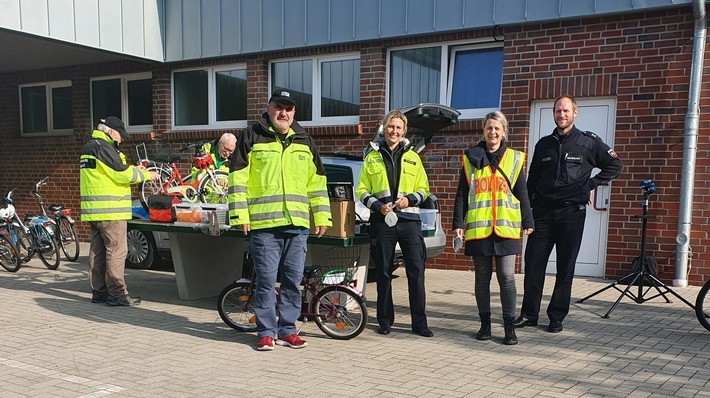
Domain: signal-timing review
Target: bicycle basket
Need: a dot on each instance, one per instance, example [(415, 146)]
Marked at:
[(202, 162), (342, 264), (162, 152)]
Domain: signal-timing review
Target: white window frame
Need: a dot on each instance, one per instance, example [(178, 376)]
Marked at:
[(211, 98), (124, 100), (447, 64), (48, 86), (318, 120)]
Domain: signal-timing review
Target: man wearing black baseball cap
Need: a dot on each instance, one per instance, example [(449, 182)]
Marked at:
[(276, 177), (105, 185), (116, 124)]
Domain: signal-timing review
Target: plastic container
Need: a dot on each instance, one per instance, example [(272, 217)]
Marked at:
[(428, 217)]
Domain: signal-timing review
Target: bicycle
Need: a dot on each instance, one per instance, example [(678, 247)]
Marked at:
[(65, 232), (328, 295), (702, 306), (209, 186), (9, 254), (34, 235)]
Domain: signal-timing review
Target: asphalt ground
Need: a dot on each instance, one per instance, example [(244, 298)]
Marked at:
[(55, 343)]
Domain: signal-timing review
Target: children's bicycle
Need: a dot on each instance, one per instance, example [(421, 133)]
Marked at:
[(209, 186), (328, 295)]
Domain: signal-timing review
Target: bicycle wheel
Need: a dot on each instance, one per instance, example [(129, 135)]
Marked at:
[(150, 187), (213, 187), (8, 254), (48, 249), (702, 306), (24, 244), (235, 305), (67, 238), (341, 313)]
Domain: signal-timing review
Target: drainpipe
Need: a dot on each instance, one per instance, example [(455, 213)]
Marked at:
[(690, 146)]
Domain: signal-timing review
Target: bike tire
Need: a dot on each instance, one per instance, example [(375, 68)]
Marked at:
[(150, 187), (9, 258), (235, 305), (341, 313), (24, 244), (213, 187), (48, 249), (68, 239), (702, 306)]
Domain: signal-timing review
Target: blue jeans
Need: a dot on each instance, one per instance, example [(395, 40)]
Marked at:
[(275, 254)]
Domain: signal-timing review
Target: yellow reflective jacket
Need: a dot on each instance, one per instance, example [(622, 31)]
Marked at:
[(492, 207), (373, 187), (274, 182), (104, 180)]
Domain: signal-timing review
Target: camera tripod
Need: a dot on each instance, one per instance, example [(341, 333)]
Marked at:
[(642, 274)]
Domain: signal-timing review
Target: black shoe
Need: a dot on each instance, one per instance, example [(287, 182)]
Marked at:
[(124, 301), (523, 321), (384, 331), (98, 298), (555, 327), (424, 332), (510, 337), (484, 333)]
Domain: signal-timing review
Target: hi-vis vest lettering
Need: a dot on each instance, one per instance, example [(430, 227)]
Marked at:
[(492, 207), (485, 185)]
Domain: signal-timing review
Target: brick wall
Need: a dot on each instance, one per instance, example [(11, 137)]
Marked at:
[(642, 60)]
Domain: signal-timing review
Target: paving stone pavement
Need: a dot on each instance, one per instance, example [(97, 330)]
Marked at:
[(55, 343)]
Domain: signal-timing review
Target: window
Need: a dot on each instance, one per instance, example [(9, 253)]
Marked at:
[(214, 97), (130, 98), (46, 109), (326, 90), (467, 77)]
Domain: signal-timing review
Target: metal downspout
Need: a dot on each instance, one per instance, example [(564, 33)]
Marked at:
[(690, 146)]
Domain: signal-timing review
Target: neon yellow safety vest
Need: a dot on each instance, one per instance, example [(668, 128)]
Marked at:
[(279, 185), (373, 184), (104, 180), (492, 207)]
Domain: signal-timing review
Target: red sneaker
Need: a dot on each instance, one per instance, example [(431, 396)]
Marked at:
[(266, 343), (292, 340)]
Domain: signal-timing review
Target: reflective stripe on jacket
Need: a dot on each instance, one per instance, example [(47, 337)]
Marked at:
[(274, 183), (492, 207), (104, 180), (373, 188)]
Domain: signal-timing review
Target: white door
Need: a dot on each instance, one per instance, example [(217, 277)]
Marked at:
[(597, 116)]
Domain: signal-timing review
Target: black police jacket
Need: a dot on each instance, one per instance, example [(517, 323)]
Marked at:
[(561, 169)]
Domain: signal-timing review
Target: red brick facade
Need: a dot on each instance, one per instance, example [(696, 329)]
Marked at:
[(641, 60)]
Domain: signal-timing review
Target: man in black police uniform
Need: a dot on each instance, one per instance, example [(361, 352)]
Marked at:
[(559, 185)]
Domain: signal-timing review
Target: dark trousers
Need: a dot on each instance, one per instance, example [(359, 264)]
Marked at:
[(561, 228), (382, 246)]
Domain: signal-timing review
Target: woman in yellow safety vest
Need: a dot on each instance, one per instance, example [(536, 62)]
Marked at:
[(491, 210)]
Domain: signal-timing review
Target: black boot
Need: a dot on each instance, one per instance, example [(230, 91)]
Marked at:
[(484, 333), (510, 337)]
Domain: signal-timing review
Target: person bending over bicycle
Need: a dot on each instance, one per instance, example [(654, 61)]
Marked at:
[(220, 151), (271, 197), (105, 178)]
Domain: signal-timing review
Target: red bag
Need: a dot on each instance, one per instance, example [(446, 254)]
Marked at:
[(160, 208)]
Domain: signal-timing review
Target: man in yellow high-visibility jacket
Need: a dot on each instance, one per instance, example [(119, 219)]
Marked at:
[(276, 177), (105, 179)]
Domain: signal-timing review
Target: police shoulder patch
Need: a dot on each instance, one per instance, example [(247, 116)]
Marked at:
[(611, 153)]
